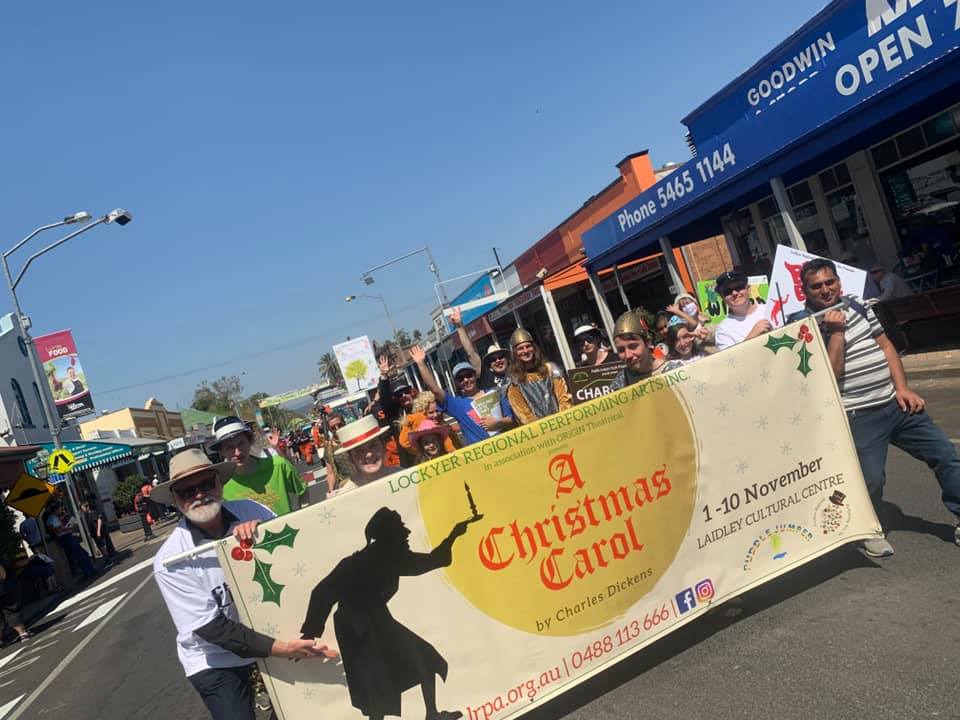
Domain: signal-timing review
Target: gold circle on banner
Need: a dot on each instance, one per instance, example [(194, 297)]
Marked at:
[(580, 520)]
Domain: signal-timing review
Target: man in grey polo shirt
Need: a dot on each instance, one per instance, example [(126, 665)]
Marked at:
[(882, 408), (216, 651)]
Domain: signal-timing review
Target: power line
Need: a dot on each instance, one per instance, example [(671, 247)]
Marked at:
[(261, 353)]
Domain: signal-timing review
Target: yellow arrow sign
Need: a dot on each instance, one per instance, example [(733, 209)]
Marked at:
[(29, 495), (62, 461)]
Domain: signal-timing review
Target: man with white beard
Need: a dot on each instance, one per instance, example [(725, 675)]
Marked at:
[(216, 651)]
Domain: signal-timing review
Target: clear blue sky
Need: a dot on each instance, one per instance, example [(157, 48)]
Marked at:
[(271, 152)]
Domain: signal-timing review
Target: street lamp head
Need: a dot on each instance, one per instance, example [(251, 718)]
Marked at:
[(82, 216), (368, 279), (350, 298), (119, 216), (494, 272)]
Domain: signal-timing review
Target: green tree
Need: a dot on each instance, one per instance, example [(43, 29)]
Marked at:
[(356, 370), (330, 369), (124, 492), (417, 336), (222, 396), (10, 541), (402, 338)]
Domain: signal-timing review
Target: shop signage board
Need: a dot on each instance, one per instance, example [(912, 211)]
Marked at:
[(29, 495), (559, 548), (515, 303), (589, 383), (478, 299), (786, 286), (65, 376), (849, 53), (713, 305), (87, 454), (357, 363)]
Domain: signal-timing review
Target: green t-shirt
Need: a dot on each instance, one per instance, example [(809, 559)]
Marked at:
[(269, 484)]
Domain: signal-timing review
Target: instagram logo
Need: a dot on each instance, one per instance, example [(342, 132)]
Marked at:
[(704, 590)]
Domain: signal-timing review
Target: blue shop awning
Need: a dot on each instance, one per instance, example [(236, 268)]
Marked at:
[(849, 70), (94, 454)]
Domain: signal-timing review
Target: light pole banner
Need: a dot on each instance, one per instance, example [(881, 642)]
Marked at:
[(515, 568), (357, 363), (61, 365), (289, 395)]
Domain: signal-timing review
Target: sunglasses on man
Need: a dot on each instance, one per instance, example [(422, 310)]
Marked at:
[(188, 493)]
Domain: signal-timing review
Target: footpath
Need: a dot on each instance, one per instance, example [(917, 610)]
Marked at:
[(131, 549), (945, 363)]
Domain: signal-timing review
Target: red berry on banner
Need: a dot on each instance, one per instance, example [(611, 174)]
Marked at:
[(246, 543), (248, 555), (803, 329), (237, 553)]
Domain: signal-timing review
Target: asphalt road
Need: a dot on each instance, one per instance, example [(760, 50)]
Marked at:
[(842, 637)]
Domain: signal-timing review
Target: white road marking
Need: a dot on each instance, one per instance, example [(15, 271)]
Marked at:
[(100, 612), (11, 656), (21, 666), (44, 646), (38, 691), (70, 602), (9, 706)]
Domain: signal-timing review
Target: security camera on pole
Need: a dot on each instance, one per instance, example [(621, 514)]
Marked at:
[(120, 217)]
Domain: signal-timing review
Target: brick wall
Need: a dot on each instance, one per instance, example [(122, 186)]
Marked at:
[(707, 258)]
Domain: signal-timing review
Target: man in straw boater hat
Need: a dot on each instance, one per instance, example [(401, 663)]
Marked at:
[(537, 387), (216, 651), (363, 442), (475, 425), (632, 340), (272, 480)]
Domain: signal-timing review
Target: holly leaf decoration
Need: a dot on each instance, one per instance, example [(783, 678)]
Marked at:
[(273, 540), (271, 588), (778, 343), (805, 356)]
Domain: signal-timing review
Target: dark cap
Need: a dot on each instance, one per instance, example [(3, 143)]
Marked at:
[(729, 279), (399, 384)]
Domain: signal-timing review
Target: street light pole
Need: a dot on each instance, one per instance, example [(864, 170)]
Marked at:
[(393, 326), (121, 217)]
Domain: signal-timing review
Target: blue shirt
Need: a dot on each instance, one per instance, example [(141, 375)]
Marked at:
[(463, 411)]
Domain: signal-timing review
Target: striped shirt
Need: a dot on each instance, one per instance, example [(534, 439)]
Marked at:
[(865, 382)]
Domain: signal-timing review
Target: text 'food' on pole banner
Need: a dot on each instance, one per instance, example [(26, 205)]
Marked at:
[(847, 56), (563, 546)]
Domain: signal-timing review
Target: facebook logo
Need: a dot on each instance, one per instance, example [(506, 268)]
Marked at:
[(686, 600)]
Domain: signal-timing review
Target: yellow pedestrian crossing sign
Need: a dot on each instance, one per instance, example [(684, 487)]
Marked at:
[(29, 495), (61, 461)]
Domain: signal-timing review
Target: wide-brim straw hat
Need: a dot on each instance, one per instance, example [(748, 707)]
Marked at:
[(358, 433), (428, 427), (185, 465)]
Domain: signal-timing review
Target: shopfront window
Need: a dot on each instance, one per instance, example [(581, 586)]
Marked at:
[(21, 403), (851, 227), (753, 257)]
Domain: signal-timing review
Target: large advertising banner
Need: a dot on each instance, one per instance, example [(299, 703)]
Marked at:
[(786, 286), (61, 365), (517, 567), (357, 363)]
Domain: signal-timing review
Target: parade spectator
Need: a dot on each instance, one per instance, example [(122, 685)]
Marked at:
[(217, 652), (362, 442), (493, 369), (880, 405), (10, 601), (685, 308), (685, 345), (430, 440), (77, 557), (96, 524), (30, 532), (424, 411), (396, 400), (272, 481), (890, 285), (660, 323), (593, 350), (474, 424), (745, 319), (141, 505), (537, 387), (632, 340)]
